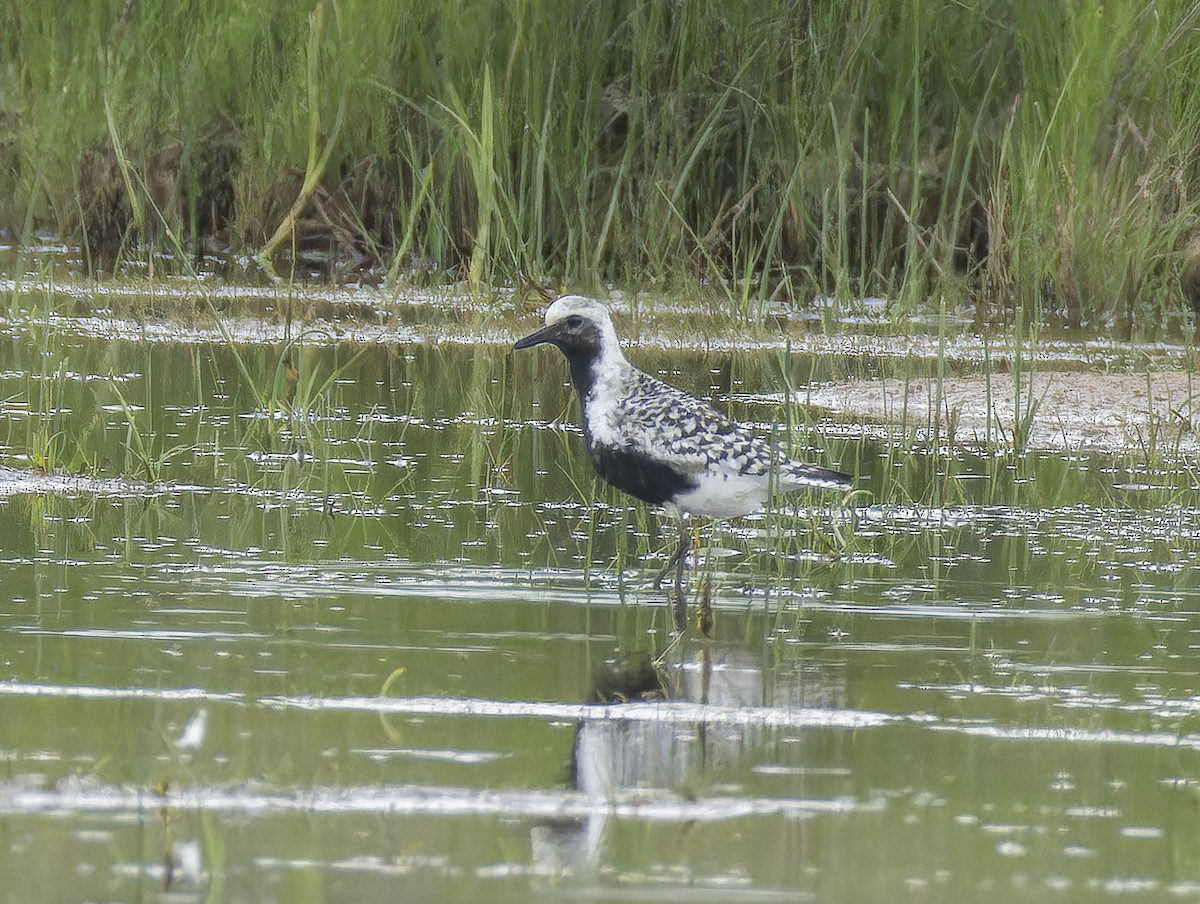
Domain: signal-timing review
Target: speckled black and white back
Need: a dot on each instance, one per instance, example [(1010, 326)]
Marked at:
[(657, 442)]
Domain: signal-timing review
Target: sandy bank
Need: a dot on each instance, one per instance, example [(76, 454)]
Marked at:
[(1063, 410)]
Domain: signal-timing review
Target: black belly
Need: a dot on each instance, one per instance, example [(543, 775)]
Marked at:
[(647, 479)]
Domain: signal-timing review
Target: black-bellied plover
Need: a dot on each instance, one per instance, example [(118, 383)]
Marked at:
[(660, 444)]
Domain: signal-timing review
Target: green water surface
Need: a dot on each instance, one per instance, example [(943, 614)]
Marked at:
[(340, 638)]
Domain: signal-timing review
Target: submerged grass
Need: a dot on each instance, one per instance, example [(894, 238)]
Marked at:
[(1036, 160)]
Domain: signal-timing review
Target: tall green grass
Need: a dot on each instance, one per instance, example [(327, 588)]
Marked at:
[(1035, 159)]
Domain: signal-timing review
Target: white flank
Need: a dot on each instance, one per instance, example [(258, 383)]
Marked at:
[(724, 495)]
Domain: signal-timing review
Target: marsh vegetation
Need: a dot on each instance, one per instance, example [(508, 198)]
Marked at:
[(1033, 161)]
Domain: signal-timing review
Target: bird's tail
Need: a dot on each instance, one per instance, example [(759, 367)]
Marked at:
[(798, 476)]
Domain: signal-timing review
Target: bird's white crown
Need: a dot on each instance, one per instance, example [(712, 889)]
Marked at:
[(577, 306)]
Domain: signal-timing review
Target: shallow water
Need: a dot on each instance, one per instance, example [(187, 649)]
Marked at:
[(340, 635)]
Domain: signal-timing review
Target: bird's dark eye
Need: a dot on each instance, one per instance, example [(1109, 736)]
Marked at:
[(574, 322)]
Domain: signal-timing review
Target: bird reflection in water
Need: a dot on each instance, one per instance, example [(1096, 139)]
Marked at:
[(621, 765)]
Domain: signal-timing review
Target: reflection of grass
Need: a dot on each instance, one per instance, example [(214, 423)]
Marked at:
[(143, 447), (439, 508), (52, 444)]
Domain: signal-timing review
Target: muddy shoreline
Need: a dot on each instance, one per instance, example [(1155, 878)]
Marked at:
[(1059, 410)]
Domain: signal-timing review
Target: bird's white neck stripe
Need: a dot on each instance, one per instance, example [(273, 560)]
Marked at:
[(610, 376)]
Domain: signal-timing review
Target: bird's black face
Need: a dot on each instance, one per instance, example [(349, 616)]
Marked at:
[(575, 336)]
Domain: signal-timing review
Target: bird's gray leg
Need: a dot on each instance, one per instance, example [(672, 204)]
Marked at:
[(676, 559), (680, 599), (676, 563)]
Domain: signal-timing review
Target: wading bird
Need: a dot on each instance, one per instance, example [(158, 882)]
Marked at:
[(658, 443)]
